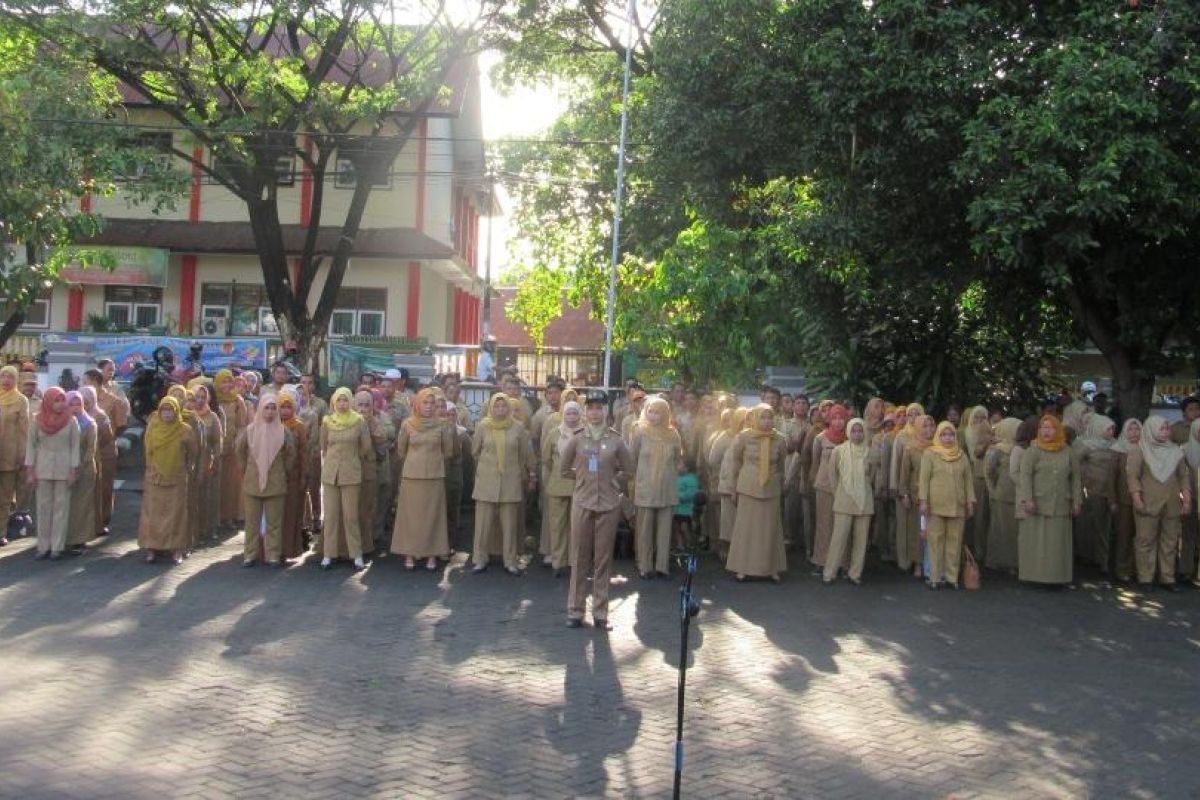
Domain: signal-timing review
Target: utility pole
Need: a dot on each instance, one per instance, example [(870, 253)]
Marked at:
[(610, 311), (486, 317)]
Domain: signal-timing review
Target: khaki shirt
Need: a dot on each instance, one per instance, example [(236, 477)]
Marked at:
[(1051, 480), (1157, 497), (744, 454), (492, 485), (947, 486), (843, 503), (237, 417), (424, 455), (342, 453), (277, 474), (596, 491), (14, 431), (115, 405), (648, 492), (556, 484), (53, 457)]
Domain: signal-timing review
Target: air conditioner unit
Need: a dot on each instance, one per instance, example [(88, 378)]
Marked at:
[(212, 327), (214, 320)]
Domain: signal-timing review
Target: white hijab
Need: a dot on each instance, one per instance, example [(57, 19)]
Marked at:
[(1161, 457)]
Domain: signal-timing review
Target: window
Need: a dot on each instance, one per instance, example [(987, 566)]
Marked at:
[(285, 168), (37, 315), (141, 164), (359, 312), (243, 308), (137, 307), (346, 177)]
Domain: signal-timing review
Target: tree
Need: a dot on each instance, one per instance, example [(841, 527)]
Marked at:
[(54, 150), (256, 82)]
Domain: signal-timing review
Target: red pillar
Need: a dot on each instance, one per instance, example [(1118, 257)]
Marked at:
[(413, 319), (75, 308), (187, 295), (194, 199)]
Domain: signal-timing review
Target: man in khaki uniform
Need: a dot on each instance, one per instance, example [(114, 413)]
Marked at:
[(594, 458)]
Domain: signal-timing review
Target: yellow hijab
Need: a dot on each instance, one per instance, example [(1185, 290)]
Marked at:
[(415, 422), (917, 440), (225, 396), (496, 430), (1060, 435), (951, 453), (765, 440), (11, 397), (341, 420), (164, 440)]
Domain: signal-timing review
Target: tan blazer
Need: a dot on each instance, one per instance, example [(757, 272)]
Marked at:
[(1051, 480), (425, 454), (596, 491), (285, 462), (1157, 497), (744, 453), (1000, 483), (948, 486), (189, 445), (115, 405), (491, 485), (237, 417), (556, 484), (342, 453), (14, 434), (647, 492), (1098, 472), (53, 457), (818, 467), (843, 503)]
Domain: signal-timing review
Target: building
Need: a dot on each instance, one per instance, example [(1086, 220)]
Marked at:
[(193, 271)]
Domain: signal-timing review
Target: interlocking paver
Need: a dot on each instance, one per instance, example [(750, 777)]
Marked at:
[(207, 680)]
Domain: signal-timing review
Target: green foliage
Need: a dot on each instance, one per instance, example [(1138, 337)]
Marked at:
[(538, 303)]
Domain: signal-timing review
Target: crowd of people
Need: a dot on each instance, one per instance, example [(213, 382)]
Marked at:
[(382, 469)]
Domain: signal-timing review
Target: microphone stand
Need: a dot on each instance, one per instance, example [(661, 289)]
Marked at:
[(688, 608)]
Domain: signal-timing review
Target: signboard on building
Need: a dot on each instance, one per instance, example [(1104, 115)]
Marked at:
[(134, 266), (127, 351)]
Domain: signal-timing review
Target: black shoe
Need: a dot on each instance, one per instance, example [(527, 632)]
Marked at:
[(574, 623), (1145, 587), (104, 531), (1171, 587), (478, 568), (56, 556), (514, 571), (250, 563), (602, 625), (42, 554), (561, 572)]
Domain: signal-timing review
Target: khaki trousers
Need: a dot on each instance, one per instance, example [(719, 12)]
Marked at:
[(1157, 541), (341, 512), (9, 481), (108, 479), (272, 541), (1188, 536), (486, 515), (592, 537), (312, 495), (852, 530), (558, 529), (1123, 523), (231, 489), (54, 515), (945, 537), (654, 539)]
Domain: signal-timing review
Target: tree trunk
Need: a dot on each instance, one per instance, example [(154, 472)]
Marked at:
[(14, 321), (1133, 389)]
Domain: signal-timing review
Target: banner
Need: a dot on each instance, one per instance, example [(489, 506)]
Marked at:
[(135, 266), (347, 362), (127, 351)]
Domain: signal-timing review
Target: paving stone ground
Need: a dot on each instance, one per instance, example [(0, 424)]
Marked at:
[(127, 680)]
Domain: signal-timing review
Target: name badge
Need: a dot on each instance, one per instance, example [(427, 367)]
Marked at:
[(593, 463)]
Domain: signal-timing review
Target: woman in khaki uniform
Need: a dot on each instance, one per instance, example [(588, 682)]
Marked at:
[(213, 436), (170, 452), (1123, 525), (368, 493), (504, 468), (852, 472), (425, 444), (1098, 471), (1050, 493), (345, 441), (1160, 485), (727, 478), (237, 417), (757, 456), (558, 488), (14, 430), (907, 537), (547, 429), (187, 402), (879, 453), (82, 526), (106, 450), (919, 440), (1002, 492), (267, 453), (658, 458), (946, 490), (822, 449), (292, 544), (976, 438), (52, 463)]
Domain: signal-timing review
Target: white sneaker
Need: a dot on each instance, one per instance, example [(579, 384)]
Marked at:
[(326, 563), (358, 563)]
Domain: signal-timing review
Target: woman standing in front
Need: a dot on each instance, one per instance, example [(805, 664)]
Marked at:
[(504, 468), (267, 452), (907, 537), (757, 456), (106, 451), (292, 544), (14, 430), (946, 489), (976, 440), (213, 436), (1002, 529), (558, 488), (368, 493), (852, 472), (237, 417), (170, 451), (1098, 471), (1160, 486), (1050, 493), (82, 526), (1127, 442), (723, 466), (51, 464), (425, 444), (822, 482), (658, 458), (920, 438), (345, 441)]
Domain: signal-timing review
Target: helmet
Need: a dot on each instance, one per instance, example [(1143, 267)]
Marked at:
[(1088, 389)]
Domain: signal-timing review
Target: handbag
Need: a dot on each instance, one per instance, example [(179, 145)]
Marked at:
[(970, 572)]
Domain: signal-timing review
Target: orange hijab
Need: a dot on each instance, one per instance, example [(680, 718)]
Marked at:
[(1060, 435)]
